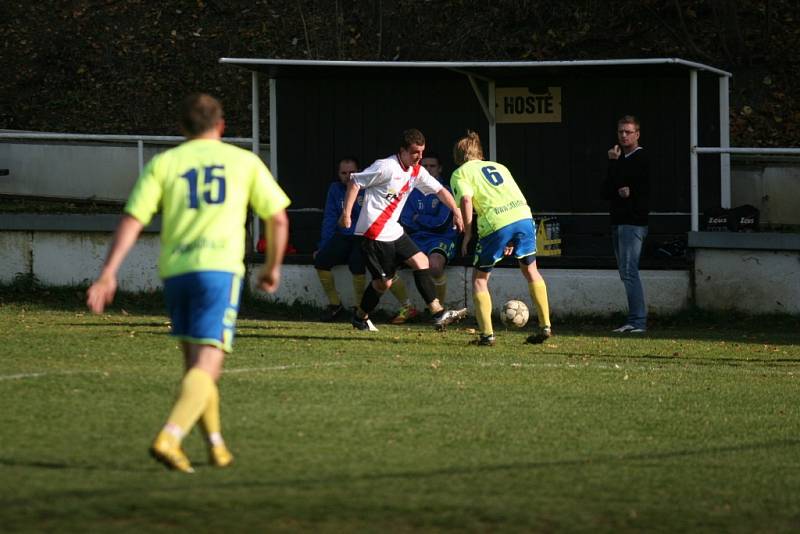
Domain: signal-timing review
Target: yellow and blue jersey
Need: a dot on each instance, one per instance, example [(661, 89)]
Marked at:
[(495, 195), (203, 188)]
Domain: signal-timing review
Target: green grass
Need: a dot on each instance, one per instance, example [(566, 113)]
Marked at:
[(692, 428)]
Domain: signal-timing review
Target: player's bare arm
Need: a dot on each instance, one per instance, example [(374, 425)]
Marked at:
[(466, 213), (102, 291), (277, 238), (349, 199), (448, 200)]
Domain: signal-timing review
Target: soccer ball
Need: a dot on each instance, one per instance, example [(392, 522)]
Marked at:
[(515, 313)]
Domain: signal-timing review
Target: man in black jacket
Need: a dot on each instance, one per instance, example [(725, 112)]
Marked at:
[(627, 187)]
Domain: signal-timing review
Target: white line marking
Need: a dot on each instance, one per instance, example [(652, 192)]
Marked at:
[(283, 367), (21, 376)]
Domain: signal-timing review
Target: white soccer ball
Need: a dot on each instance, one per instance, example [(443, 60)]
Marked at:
[(515, 313)]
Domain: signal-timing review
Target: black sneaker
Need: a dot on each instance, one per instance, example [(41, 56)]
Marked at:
[(362, 324), (446, 317), (330, 313), (541, 336), (484, 341)]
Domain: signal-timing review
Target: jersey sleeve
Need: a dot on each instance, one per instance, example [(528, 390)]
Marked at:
[(435, 218), (460, 186), (330, 216), (145, 198), (373, 175), (266, 196), (427, 183)]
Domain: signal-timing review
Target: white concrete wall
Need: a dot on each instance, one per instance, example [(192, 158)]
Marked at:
[(771, 187), (16, 256), (59, 169), (68, 258), (32, 172), (751, 281), (570, 291)]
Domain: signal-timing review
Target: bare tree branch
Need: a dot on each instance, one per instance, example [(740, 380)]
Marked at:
[(305, 29), (687, 37)]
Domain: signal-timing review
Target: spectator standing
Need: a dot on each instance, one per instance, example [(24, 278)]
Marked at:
[(627, 188)]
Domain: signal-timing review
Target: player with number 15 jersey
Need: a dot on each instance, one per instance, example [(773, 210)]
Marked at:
[(203, 187)]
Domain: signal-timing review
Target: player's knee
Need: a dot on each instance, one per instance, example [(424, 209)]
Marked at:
[(382, 285)]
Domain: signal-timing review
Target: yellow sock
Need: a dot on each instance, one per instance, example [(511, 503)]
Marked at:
[(196, 389), (398, 289), (210, 419), (538, 291), (329, 286), (441, 287), (359, 284), (483, 312)]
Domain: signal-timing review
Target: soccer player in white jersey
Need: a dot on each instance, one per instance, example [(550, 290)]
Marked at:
[(386, 184)]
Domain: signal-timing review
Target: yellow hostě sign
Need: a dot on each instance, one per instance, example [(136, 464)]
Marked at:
[(523, 104)]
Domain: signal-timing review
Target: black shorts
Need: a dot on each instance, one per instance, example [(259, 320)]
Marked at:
[(382, 258), (341, 250)]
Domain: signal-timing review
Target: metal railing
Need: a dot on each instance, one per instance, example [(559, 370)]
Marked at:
[(725, 184), (140, 140)]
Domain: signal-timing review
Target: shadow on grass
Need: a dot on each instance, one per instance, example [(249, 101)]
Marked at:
[(775, 329), (339, 479), (114, 324), (713, 361), (56, 465)]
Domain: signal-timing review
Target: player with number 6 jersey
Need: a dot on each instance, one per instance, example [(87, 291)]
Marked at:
[(505, 227)]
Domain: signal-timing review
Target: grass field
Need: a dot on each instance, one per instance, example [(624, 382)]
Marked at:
[(692, 428)]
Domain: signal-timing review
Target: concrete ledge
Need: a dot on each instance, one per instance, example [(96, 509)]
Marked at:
[(748, 280), (570, 292), (66, 222), (744, 240)]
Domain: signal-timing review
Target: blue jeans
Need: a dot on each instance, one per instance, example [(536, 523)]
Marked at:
[(627, 241)]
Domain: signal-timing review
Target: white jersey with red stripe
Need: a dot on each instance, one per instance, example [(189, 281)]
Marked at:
[(386, 184)]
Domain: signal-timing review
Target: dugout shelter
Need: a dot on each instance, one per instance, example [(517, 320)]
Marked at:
[(550, 122)]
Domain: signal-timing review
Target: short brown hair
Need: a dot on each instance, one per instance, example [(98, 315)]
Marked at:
[(412, 136), (199, 113), (467, 148), (629, 119)]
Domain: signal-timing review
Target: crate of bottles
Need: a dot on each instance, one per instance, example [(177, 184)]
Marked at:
[(548, 236)]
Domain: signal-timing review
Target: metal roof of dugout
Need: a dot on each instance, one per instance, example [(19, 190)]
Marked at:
[(485, 74)]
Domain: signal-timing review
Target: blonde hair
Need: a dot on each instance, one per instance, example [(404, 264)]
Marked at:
[(467, 148)]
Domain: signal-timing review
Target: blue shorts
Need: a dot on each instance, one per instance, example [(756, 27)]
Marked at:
[(521, 234), (203, 307), (430, 242), (341, 250)]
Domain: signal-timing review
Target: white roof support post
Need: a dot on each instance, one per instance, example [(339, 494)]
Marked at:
[(273, 127), (254, 105), (693, 182), (724, 142), (254, 109), (489, 111), (492, 123), (140, 153)]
